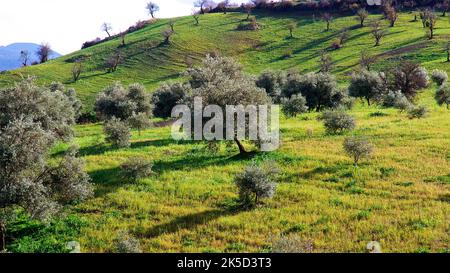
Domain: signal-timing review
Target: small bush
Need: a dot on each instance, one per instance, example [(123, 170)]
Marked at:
[(252, 25), (167, 97), (336, 45), (338, 122), (358, 148), (136, 168), (139, 122), (294, 106), (439, 77), (418, 112), (256, 182), (117, 133), (126, 243), (397, 100), (443, 95), (292, 244)]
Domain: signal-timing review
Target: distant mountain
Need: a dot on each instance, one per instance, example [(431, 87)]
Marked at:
[(10, 55)]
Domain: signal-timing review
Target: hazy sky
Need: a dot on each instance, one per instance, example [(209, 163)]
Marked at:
[(66, 24)]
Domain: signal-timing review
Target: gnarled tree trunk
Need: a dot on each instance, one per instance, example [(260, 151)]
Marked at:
[(241, 147)]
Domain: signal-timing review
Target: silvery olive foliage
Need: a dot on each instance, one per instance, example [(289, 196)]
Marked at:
[(320, 90), (272, 82), (439, 77), (257, 182), (167, 97), (136, 168), (71, 95), (52, 111), (409, 78), (117, 132), (368, 85), (418, 112), (221, 81), (292, 243), (120, 102), (443, 95), (358, 148), (338, 122), (69, 179), (397, 100), (126, 243), (294, 106), (139, 122), (32, 120)]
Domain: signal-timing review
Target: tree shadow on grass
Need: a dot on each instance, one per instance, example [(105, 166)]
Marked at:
[(200, 161), (189, 222), (342, 168), (106, 181), (102, 148)]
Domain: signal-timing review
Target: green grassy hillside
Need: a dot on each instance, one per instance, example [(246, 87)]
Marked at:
[(399, 198), (148, 61)]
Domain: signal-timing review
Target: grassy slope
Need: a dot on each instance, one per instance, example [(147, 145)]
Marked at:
[(400, 198), (150, 63)]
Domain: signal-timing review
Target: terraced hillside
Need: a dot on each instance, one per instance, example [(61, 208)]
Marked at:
[(147, 60)]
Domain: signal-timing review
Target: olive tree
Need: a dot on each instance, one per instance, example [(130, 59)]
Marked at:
[(368, 85), (272, 82), (117, 132), (327, 18), (362, 15), (439, 76), (294, 106), (410, 77), (44, 51), (167, 96), (116, 101), (152, 8), (320, 90), (32, 120), (257, 182), (358, 148), (70, 94), (443, 95), (377, 32), (338, 122), (139, 122), (221, 81)]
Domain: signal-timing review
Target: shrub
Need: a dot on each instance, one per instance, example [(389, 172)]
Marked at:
[(136, 168), (126, 243), (117, 133), (167, 97), (338, 122), (292, 244), (443, 95), (294, 106), (439, 77), (409, 78), (397, 100), (139, 122), (70, 178), (319, 89), (367, 85), (358, 148), (256, 182), (272, 82), (418, 112), (252, 25), (116, 101)]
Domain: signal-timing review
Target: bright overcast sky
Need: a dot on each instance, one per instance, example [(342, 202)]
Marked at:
[(66, 24)]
